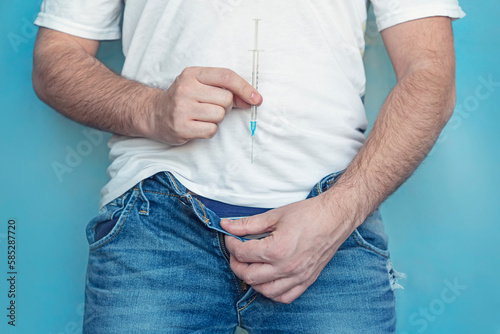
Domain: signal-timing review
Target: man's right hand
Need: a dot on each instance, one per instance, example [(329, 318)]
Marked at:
[(68, 77), (197, 101)]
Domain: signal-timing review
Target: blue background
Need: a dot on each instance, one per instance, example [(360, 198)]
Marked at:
[(443, 223)]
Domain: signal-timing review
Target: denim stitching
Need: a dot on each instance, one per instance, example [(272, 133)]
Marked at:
[(201, 205), (172, 195), (244, 307), (206, 220), (144, 200), (370, 249), (124, 220), (155, 192), (232, 274), (173, 181)]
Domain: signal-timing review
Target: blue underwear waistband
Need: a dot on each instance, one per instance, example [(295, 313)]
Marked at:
[(225, 210)]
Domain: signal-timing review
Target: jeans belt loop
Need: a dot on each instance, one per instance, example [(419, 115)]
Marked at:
[(144, 209)]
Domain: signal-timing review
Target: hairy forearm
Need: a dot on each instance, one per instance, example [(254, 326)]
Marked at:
[(407, 127), (79, 86)]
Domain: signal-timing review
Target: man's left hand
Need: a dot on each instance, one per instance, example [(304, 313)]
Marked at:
[(304, 237)]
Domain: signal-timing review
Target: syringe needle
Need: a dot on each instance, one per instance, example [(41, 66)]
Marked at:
[(252, 150), (255, 75)]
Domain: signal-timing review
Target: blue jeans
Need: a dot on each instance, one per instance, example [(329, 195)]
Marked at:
[(164, 268)]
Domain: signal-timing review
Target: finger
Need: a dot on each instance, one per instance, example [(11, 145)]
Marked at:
[(257, 224), (249, 251), (226, 78), (274, 288), (239, 103), (215, 95), (292, 294), (201, 130), (206, 112), (254, 273)]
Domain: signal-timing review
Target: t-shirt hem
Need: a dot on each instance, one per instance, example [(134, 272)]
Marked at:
[(107, 197), (392, 19), (56, 23)]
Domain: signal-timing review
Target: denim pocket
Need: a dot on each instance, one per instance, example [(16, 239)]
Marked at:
[(108, 222), (371, 235)]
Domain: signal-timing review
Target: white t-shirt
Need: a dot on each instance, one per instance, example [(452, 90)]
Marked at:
[(311, 76)]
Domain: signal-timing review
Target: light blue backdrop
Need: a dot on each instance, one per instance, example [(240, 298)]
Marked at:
[(443, 223)]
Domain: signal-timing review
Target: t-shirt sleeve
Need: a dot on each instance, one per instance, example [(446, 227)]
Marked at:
[(391, 12), (91, 19)]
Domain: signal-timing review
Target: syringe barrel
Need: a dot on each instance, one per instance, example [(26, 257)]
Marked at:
[(253, 114), (255, 69)]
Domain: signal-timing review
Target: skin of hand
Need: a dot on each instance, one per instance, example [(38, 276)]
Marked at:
[(68, 77), (197, 101), (305, 235)]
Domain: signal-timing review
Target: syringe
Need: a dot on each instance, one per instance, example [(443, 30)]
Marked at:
[(255, 76)]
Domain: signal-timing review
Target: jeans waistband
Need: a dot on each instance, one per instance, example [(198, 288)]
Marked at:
[(208, 210)]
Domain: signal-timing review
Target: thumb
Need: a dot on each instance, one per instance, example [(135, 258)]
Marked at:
[(248, 225)]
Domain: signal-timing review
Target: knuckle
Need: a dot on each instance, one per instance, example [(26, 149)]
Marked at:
[(228, 98), (182, 89), (244, 221), (226, 77), (188, 72), (290, 268), (238, 254), (218, 114), (268, 292), (249, 279), (211, 131), (245, 90)]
